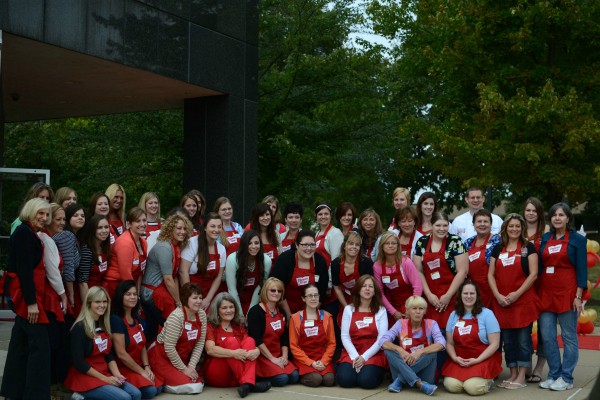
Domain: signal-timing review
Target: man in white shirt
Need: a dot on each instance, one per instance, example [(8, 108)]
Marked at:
[(463, 224)]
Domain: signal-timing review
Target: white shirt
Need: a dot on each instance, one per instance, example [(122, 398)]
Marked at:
[(463, 225), (190, 253)]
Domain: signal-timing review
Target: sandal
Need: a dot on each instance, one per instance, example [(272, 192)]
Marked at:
[(534, 379), (504, 384), (515, 385)]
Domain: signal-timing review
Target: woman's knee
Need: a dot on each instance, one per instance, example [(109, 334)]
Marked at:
[(453, 385), (312, 379), (477, 386)]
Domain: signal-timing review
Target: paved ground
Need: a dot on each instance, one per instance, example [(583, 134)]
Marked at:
[(586, 374)]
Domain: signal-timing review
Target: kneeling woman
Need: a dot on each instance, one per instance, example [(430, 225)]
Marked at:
[(472, 341), (95, 373), (231, 352), (267, 326), (130, 341), (413, 361), (364, 322), (312, 341), (178, 347)]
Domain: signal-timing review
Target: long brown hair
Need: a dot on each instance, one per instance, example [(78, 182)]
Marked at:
[(376, 302), (203, 256), (539, 210)]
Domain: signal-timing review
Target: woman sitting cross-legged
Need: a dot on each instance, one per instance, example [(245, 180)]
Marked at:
[(413, 361), (232, 353)]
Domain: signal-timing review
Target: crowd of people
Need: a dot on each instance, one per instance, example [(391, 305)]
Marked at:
[(120, 303)]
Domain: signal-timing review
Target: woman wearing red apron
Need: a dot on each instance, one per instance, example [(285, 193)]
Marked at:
[(93, 264), (563, 278), (472, 342), (427, 205), (396, 276), (203, 259), (345, 214), (129, 340), (117, 201), (364, 322), (401, 199), (150, 203), (175, 354), (513, 270), (100, 205), (535, 218), (129, 253), (23, 284), (160, 285), (94, 373), (262, 221), (369, 228), (246, 271), (232, 231), (293, 213), (406, 220), (267, 326), (232, 353), (413, 361), (312, 341), (298, 268), (480, 248)]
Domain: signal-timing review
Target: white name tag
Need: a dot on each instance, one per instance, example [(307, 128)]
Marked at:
[(407, 342), (103, 266), (143, 266), (508, 261), (309, 322), (250, 281), (302, 280), (276, 325), (318, 243), (232, 239), (385, 279), (435, 275), (350, 284), (317, 277), (188, 326), (417, 348), (138, 337), (503, 256), (434, 263), (465, 330), (474, 256), (136, 262), (361, 324), (269, 254), (311, 331), (192, 335), (393, 284), (549, 270), (211, 266), (368, 320), (554, 249), (102, 344), (460, 324), (286, 248)]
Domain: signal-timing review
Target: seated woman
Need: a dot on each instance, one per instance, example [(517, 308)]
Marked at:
[(472, 342), (232, 353), (312, 341), (94, 373), (364, 322), (413, 361), (130, 341), (177, 349), (267, 326)]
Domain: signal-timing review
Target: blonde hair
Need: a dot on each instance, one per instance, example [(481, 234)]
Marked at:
[(95, 293), (62, 193), (111, 192), (167, 229), (267, 285), (381, 255), (32, 207), (54, 207), (400, 190), (415, 301), (145, 198)]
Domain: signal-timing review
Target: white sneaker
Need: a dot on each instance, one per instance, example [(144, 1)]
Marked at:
[(547, 383), (77, 396), (560, 385)]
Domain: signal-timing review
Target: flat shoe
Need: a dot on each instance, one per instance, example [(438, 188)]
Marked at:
[(515, 385), (504, 384), (534, 379)]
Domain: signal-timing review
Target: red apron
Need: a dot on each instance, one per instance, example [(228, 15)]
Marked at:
[(467, 344), (160, 294), (422, 231), (137, 341), (246, 289), (347, 283), (363, 333), (152, 227), (99, 268), (558, 282), (288, 242), (410, 343), (274, 328), (79, 382), (509, 277), (439, 277), (478, 271), (312, 339), (117, 225), (113, 234), (233, 240), (139, 264), (395, 288), (537, 242), (39, 281), (300, 278), (320, 241), (212, 271), (164, 371), (271, 252), (52, 299), (407, 248)]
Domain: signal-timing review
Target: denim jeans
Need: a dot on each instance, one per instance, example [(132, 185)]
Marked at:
[(518, 346), (422, 370), (283, 379), (369, 377), (149, 392), (568, 326), (109, 392)]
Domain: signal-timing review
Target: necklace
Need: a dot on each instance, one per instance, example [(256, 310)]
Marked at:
[(251, 267)]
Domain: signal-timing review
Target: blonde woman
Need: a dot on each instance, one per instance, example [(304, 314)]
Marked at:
[(117, 200), (150, 203)]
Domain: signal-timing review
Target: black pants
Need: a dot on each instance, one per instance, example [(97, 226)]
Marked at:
[(154, 319), (27, 368), (58, 335)]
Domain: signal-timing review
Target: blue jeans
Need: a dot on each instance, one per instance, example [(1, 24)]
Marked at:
[(369, 377), (568, 326), (109, 392), (518, 346), (422, 370), (283, 379), (149, 392)]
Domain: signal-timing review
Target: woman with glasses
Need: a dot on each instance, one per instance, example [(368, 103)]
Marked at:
[(513, 270), (267, 326), (312, 341), (298, 268)]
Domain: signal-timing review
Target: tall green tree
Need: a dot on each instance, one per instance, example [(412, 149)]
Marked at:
[(505, 93)]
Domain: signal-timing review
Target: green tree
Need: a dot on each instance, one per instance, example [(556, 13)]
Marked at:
[(505, 93)]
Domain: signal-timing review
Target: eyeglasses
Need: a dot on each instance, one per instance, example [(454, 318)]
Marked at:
[(308, 245), (275, 290), (312, 296)]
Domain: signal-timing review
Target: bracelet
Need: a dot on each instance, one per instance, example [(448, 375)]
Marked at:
[(578, 297), (146, 366)]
